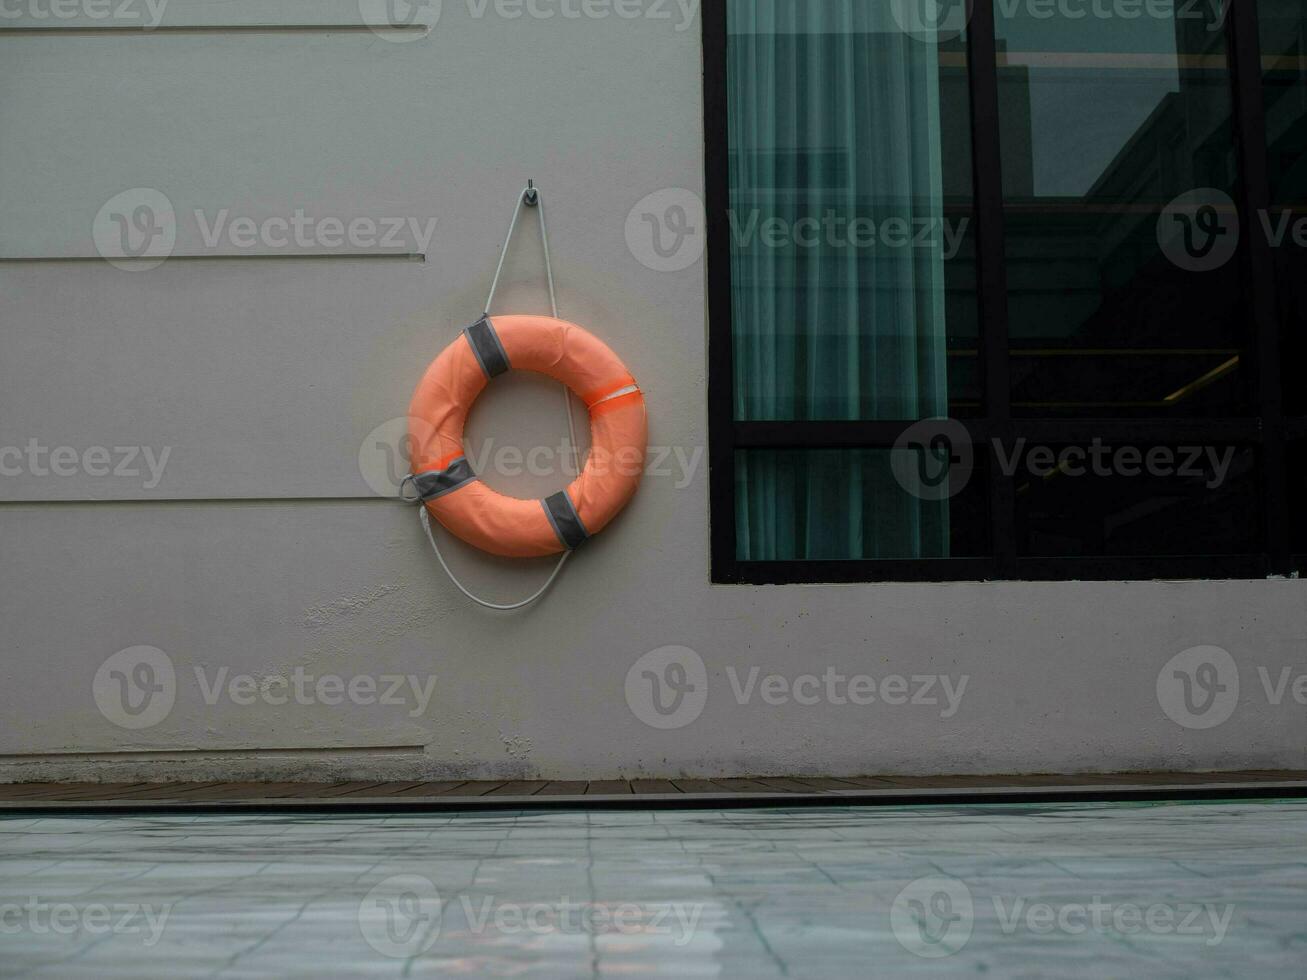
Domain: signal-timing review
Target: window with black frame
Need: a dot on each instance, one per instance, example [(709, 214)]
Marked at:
[(995, 292)]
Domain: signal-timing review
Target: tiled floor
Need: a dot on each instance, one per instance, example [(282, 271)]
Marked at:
[(1066, 890)]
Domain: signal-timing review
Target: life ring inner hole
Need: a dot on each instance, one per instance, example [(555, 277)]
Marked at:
[(516, 436)]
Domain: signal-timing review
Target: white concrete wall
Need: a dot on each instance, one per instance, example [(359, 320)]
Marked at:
[(262, 547)]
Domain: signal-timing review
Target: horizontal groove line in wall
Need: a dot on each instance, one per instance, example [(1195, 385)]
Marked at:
[(84, 501), (74, 754), (118, 31), (283, 256)]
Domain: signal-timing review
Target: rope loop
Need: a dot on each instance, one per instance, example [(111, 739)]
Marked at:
[(532, 197)]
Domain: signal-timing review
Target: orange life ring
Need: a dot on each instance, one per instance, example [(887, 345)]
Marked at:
[(443, 477)]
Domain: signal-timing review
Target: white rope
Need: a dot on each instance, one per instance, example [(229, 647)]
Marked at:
[(426, 526), (528, 191)]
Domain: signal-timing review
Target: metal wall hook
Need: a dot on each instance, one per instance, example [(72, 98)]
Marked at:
[(531, 196)]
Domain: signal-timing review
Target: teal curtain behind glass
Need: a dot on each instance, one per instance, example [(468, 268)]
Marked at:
[(834, 116)]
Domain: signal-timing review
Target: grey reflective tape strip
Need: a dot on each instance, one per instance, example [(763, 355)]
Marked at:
[(567, 525), (486, 346), (432, 485)]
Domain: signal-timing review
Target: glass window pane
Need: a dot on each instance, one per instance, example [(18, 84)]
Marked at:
[(1283, 28), (1134, 500), (851, 214), (1298, 493), (1118, 174), (811, 504)]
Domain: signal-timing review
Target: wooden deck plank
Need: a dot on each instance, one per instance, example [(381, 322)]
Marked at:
[(867, 782), (823, 783), (697, 786), (607, 787), (165, 791), (789, 785), (475, 789), (519, 787), (95, 791), (744, 786), (1158, 779), (246, 791), (332, 790), (430, 788), (564, 787), (1252, 776), (61, 790), (654, 787)]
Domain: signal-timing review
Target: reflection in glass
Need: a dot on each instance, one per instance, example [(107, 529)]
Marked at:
[(1136, 501), (1105, 120), (1298, 493), (1283, 29)]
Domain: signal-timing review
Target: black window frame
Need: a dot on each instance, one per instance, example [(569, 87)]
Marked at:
[(1268, 433)]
